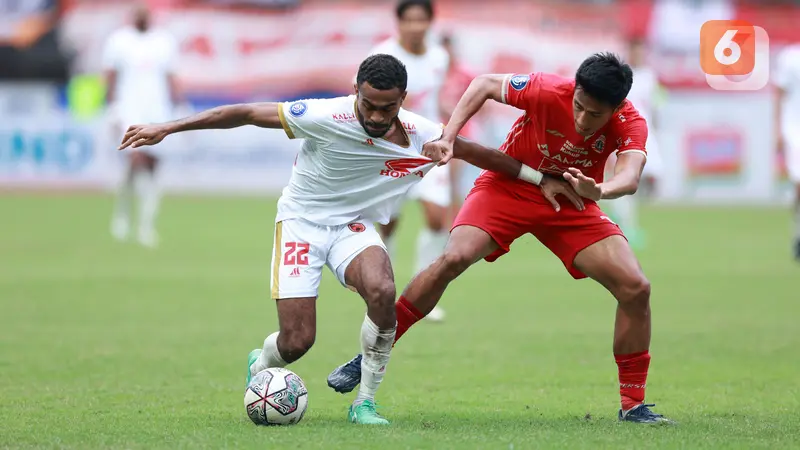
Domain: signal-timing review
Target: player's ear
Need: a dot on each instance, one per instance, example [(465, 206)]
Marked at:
[(355, 88), (403, 97)]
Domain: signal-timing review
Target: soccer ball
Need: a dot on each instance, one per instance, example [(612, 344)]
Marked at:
[(276, 396)]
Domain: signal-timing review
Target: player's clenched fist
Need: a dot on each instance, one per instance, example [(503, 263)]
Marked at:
[(139, 135), (583, 185), (440, 151)]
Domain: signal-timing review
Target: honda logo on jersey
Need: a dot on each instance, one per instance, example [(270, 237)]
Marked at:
[(398, 168)]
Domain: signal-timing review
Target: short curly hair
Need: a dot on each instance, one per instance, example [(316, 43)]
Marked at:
[(383, 72)]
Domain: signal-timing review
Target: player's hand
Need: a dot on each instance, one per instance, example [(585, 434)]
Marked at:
[(440, 151), (551, 187), (139, 135), (583, 185)]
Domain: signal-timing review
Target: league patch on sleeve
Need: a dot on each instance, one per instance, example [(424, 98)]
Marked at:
[(518, 82), (298, 109)]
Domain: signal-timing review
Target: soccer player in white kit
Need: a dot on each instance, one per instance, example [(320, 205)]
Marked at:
[(139, 65), (787, 123), (427, 63), (644, 95), (360, 156)]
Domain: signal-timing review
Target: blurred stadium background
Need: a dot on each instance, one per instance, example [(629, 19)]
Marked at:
[(78, 310)]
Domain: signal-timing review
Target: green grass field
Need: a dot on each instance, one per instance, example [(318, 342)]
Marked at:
[(109, 345)]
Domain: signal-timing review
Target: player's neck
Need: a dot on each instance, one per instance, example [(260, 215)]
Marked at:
[(397, 135), (413, 48)]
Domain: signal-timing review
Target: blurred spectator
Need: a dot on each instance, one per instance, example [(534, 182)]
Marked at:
[(29, 47)]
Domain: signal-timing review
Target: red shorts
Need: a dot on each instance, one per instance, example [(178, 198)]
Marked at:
[(506, 216)]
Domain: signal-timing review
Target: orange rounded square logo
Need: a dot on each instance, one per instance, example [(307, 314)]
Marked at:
[(727, 47)]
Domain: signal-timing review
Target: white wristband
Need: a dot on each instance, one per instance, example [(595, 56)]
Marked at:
[(530, 175)]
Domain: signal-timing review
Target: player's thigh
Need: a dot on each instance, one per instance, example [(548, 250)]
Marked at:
[(299, 253), (469, 244), (569, 232), (612, 263), (494, 214), (359, 259)]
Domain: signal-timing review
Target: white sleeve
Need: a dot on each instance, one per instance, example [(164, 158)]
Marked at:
[(111, 52), (303, 119), (427, 131), (783, 70)]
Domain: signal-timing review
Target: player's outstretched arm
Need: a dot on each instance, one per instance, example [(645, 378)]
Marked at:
[(627, 172), (265, 115), (482, 88)]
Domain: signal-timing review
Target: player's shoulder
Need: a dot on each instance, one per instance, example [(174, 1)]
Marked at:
[(334, 110), (418, 126), (627, 115), (122, 35), (438, 54)]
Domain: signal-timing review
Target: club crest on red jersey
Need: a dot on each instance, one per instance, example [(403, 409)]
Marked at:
[(600, 144)]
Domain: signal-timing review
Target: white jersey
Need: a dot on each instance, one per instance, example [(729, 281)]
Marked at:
[(644, 91), (342, 174), (787, 77), (143, 62), (426, 74)]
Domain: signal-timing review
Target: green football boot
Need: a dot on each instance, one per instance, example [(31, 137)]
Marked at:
[(365, 414)]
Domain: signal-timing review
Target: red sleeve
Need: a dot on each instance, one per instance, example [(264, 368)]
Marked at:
[(630, 130), (521, 90)]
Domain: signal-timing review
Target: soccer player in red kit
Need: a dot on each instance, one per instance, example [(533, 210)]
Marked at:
[(568, 129)]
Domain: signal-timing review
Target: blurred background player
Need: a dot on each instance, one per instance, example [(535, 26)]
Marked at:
[(139, 69), (787, 120), (427, 64), (645, 94)]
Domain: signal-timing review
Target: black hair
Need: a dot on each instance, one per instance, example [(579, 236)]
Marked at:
[(383, 72), (403, 5), (604, 77)]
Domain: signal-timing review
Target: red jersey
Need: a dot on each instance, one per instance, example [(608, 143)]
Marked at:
[(544, 137)]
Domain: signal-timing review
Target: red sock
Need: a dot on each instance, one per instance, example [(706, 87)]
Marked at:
[(632, 378), (407, 315)]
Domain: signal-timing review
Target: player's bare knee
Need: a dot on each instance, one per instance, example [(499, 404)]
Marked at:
[(380, 294), (635, 292), (455, 262)]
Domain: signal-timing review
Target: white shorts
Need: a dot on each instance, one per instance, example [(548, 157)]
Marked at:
[(434, 187), (302, 248)]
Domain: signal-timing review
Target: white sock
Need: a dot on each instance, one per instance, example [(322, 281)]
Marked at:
[(149, 198), (626, 212), (376, 347), (122, 208), (270, 356), (430, 245)]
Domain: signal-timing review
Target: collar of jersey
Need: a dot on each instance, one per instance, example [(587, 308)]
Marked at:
[(397, 122)]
